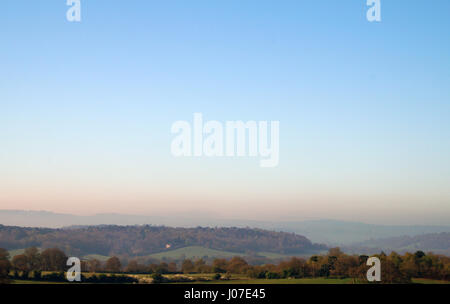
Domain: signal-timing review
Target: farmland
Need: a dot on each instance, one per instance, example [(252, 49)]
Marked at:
[(237, 279)]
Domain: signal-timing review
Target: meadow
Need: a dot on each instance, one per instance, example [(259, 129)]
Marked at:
[(197, 278)]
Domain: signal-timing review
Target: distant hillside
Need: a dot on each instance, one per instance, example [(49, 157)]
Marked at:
[(331, 232), (438, 243), (334, 232), (147, 240), (47, 219)]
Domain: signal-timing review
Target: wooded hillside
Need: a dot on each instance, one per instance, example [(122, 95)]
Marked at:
[(144, 240)]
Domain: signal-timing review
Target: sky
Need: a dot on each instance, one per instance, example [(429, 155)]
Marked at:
[(86, 108)]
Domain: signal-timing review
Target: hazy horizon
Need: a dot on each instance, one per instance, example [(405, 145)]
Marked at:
[(220, 219)]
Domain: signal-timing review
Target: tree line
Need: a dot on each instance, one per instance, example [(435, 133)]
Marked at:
[(395, 268)]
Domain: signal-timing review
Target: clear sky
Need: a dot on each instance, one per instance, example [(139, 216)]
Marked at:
[(364, 108)]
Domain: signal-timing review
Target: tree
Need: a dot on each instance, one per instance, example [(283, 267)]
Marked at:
[(5, 266), (94, 265), (187, 266), (237, 265), (419, 254), (20, 263), (324, 270), (4, 254), (409, 266), (220, 265), (335, 252), (295, 267), (162, 268), (53, 259), (133, 267), (34, 258), (418, 259), (113, 264), (313, 261), (172, 268), (157, 278), (272, 275), (345, 265), (391, 273), (200, 266)]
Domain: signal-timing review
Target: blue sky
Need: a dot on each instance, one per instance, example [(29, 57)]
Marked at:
[(364, 108)]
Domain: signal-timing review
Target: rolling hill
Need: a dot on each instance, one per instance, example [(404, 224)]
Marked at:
[(147, 240), (330, 232), (438, 243)]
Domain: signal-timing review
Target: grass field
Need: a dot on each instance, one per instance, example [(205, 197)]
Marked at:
[(241, 279), (189, 252), (280, 281), (309, 281), (237, 281), (15, 252), (429, 281), (101, 258), (192, 252), (24, 282)]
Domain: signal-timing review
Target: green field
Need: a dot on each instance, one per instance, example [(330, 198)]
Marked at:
[(202, 278), (429, 281), (192, 252), (235, 281), (15, 252), (101, 258), (279, 281), (23, 282), (307, 281)]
